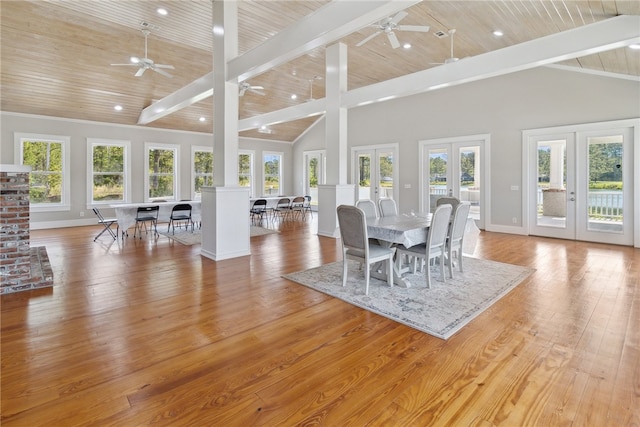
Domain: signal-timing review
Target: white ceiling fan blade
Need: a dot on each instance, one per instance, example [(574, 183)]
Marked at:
[(257, 91), (393, 39), (419, 28), (125, 65), (169, 67), (159, 71), (368, 38), (398, 17), (140, 71)]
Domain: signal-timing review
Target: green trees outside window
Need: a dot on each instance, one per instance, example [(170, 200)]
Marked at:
[(108, 172), (161, 173), (272, 174), (45, 159), (203, 170), (244, 170)]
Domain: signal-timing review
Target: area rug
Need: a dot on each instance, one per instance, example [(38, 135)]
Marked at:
[(189, 238), (440, 311)]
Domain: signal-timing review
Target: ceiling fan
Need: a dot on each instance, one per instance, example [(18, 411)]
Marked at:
[(389, 25), (451, 58), (245, 86), (145, 63)]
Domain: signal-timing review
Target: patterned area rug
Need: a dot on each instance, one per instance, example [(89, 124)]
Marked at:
[(189, 238), (440, 311)]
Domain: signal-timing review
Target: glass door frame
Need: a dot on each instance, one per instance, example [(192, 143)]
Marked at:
[(374, 151), (483, 141)]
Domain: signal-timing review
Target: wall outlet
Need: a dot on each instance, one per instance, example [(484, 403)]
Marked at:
[(514, 220), (81, 213)]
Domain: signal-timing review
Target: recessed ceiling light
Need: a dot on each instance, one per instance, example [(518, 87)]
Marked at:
[(407, 45), (202, 119), (634, 46), (498, 33), (162, 11), (294, 96), (118, 108)]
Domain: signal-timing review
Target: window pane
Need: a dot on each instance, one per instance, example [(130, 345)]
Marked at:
[(203, 162), (271, 174), (108, 187), (161, 161), (108, 158), (161, 173), (45, 159)]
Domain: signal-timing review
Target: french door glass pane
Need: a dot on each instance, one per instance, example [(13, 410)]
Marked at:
[(469, 168), (605, 206), (438, 165), (552, 184), (364, 177), (385, 176)]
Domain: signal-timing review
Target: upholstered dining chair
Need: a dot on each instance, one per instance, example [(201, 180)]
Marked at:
[(448, 200), (356, 245), (435, 247), (144, 215), (180, 213), (388, 207), (369, 208), (456, 236)]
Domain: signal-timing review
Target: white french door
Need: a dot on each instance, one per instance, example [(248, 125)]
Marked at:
[(454, 167), (581, 185), (375, 173)]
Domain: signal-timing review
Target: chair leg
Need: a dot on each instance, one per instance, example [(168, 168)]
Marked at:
[(390, 272), (344, 272), (367, 271)]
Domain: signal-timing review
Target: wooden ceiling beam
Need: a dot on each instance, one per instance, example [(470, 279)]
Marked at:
[(601, 36), (328, 24)]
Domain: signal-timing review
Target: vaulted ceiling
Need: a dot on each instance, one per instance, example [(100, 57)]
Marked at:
[(56, 55)]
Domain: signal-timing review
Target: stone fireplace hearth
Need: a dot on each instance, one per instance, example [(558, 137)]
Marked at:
[(22, 267)]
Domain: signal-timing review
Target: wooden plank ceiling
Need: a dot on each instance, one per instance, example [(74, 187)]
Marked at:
[(56, 55)]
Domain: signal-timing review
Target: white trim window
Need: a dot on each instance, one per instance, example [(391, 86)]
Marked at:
[(49, 182), (108, 171), (245, 170), (272, 164), (161, 165), (201, 170)]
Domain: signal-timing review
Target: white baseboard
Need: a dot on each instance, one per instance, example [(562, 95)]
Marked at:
[(44, 225), (507, 229)]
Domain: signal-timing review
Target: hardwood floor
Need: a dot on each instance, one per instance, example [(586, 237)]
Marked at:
[(148, 332)]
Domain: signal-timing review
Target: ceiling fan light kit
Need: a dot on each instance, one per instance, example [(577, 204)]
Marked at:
[(145, 63)]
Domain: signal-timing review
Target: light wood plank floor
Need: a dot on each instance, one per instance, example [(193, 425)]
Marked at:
[(148, 332)]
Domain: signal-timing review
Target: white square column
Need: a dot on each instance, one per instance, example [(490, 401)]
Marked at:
[(336, 191), (225, 233), (225, 206)]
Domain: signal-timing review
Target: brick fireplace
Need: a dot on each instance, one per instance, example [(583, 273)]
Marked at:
[(22, 267)]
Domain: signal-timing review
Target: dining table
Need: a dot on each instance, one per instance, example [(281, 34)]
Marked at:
[(126, 212), (405, 229)]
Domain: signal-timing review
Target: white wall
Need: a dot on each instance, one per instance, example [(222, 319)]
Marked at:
[(80, 130), (502, 107)]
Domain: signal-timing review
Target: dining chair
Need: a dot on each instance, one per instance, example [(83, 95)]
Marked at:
[(369, 208), (297, 207), (144, 215), (180, 213), (258, 210), (307, 206), (435, 247), (356, 245), (107, 223), (282, 209), (456, 236), (448, 200), (388, 207)]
